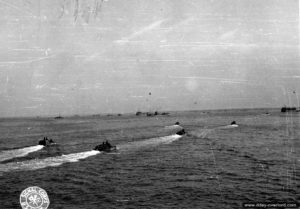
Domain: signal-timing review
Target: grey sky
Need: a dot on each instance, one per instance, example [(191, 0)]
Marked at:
[(100, 56)]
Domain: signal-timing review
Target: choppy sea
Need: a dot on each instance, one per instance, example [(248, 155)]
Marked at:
[(214, 166)]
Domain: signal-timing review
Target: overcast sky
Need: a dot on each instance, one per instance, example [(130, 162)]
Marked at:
[(115, 56)]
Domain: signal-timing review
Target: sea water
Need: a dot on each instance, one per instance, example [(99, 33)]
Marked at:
[(214, 166)]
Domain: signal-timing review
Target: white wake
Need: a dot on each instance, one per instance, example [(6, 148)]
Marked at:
[(149, 142), (202, 133), (47, 162), (173, 127), (228, 126), (74, 157), (10, 154)]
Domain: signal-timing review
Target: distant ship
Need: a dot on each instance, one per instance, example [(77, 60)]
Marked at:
[(290, 109), (58, 117)]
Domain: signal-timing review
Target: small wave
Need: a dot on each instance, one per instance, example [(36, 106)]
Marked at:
[(47, 162), (10, 154), (149, 142)]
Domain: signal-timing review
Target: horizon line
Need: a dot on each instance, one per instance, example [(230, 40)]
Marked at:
[(129, 113)]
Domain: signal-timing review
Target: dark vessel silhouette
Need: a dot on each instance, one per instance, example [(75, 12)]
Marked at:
[(46, 142), (58, 117), (289, 109), (105, 147), (181, 132)]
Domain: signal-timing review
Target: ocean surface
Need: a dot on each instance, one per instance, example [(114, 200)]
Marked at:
[(214, 166)]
